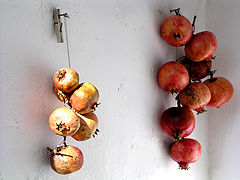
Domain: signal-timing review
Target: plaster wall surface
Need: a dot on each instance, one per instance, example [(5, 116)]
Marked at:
[(113, 44), (223, 123)]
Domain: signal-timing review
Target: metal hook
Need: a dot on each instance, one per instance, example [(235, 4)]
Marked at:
[(65, 15)]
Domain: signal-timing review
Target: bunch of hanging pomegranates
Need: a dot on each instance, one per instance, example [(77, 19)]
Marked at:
[(185, 78), (75, 119)]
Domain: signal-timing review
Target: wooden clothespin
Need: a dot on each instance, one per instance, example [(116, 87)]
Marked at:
[(58, 24)]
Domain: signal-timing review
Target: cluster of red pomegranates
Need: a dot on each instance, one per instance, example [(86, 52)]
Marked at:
[(185, 78), (75, 119)]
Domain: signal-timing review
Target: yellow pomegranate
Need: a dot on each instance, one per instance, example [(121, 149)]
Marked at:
[(64, 97), (66, 160), (64, 121), (66, 79), (85, 98), (89, 123)]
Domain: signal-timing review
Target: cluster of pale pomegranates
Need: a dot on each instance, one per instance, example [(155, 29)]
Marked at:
[(185, 78), (76, 119)]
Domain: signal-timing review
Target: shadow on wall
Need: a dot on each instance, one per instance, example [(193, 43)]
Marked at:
[(164, 139), (40, 102), (221, 128)]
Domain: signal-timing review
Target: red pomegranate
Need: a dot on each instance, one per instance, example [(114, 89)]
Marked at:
[(185, 151), (66, 160), (85, 98), (176, 30), (197, 70), (89, 123), (173, 77), (221, 91), (201, 46), (195, 96), (66, 79), (178, 122), (64, 121)]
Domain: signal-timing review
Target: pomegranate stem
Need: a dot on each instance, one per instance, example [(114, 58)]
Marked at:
[(61, 74), (211, 74), (177, 135), (176, 11), (213, 57), (193, 23), (61, 126), (63, 154), (96, 132), (178, 101), (95, 106), (55, 151), (64, 141), (183, 165), (49, 149)]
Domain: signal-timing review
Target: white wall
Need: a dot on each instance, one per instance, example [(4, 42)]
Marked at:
[(115, 45), (224, 124)]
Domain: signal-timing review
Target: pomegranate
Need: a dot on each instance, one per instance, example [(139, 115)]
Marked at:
[(173, 77), (195, 96), (85, 98), (176, 30), (66, 79), (221, 91), (64, 97), (64, 121), (201, 47), (197, 70), (185, 151), (66, 160), (89, 123), (178, 122)]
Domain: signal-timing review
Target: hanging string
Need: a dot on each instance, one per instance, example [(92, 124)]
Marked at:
[(66, 34)]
